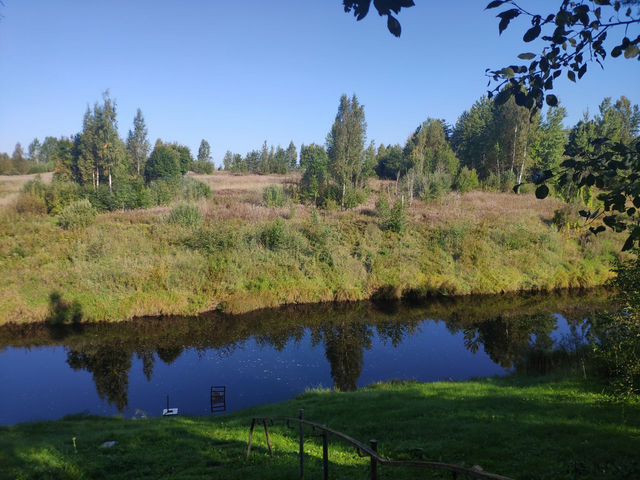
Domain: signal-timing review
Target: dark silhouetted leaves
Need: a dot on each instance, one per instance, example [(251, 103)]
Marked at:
[(542, 192), (552, 100), (532, 33)]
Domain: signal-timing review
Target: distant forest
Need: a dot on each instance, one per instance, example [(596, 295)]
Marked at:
[(493, 147)]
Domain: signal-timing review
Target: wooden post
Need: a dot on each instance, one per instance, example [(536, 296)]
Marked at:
[(374, 460), (325, 455), (266, 434), (253, 425), (301, 417)]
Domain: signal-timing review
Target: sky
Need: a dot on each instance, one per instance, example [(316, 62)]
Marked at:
[(237, 73)]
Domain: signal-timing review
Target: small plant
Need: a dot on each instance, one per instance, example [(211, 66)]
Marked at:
[(186, 216), (467, 180), (28, 203), (76, 215), (274, 196), (394, 218), (193, 190)]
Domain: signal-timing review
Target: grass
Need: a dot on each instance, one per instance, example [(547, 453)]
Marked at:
[(246, 256), (525, 428)]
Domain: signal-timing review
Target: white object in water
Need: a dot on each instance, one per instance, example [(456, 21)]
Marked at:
[(167, 412)]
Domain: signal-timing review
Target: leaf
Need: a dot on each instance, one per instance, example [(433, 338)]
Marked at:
[(552, 100), (532, 33), (494, 4), (571, 75), (628, 245), (527, 56), (542, 192), (502, 97), (394, 25)]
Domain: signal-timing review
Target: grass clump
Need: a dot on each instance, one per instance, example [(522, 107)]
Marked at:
[(76, 215), (185, 215)]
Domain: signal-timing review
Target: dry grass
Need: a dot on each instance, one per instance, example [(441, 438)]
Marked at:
[(10, 186)]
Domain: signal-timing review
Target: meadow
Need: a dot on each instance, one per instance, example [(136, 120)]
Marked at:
[(525, 428), (238, 254)]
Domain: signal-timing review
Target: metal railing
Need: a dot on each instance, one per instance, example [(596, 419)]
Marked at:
[(363, 450)]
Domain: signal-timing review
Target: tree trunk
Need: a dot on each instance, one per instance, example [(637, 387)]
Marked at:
[(110, 182), (513, 155), (344, 190)]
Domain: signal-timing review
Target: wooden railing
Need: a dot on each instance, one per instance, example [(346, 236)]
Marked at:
[(363, 450)]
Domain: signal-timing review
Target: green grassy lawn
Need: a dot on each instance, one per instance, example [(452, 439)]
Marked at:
[(523, 428)]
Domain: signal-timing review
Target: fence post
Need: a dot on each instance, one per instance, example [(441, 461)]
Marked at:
[(325, 454), (374, 460), (301, 417)]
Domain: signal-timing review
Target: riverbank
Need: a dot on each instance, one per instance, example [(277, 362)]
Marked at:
[(245, 256), (525, 428)]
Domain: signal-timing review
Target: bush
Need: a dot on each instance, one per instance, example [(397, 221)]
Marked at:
[(78, 214), (394, 218), (202, 167), (186, 216), (277, 236), (193, 190), (466, 180), (354, 197), (212, 240), (565, 218), (60, 194), (28, 203), (274, 196)]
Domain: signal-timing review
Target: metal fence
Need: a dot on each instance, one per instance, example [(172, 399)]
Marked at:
[(371, 451)]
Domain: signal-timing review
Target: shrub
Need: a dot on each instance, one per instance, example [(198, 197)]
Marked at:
[(274, 196), (467, 180), (354, 197), (202, 167), (565, 217), (193, 190), (60, 194), (394, 218), (186, 216), (163, 191), (212, 240), (78, 214), (28, 203), (276, 236)]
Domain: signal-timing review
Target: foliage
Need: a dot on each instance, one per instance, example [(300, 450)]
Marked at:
[(192, 190), (346, 146), (394, 218), (384, 7), (314, 184), (76, 215), (274, 196), (574, 36), (185, 215), (275, 236), (617, 349), (138, 145), (28, 203), (202, 167), (163, 164), (466, 180)]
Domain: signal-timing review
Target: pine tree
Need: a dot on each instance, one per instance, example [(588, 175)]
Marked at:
[(138, 145)]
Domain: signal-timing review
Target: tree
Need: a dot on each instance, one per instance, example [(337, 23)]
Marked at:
[(164, 163), (473, 138), (204, 152), (101, 152), (550, 141), (34, 150), (18, 153), (291, 156), (432, 164), (345, 145), (391, 162), (138, 145), (184, 154), (315, 178)]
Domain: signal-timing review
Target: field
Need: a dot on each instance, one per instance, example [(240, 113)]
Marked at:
[(246, 255), (522, 428)]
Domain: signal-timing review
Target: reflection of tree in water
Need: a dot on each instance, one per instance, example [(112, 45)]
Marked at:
[(169, 354), (109, 367), (508, 341), (344, 348), (148, 361)]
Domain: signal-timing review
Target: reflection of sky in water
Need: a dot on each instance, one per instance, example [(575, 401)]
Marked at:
[(37, 383)]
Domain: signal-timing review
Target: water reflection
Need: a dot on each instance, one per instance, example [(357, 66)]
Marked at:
[(515, 332)]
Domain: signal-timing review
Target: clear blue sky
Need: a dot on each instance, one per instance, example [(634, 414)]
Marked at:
[(239, 72)]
